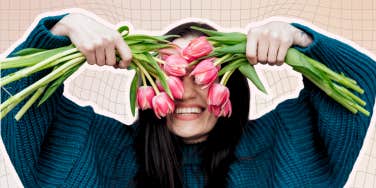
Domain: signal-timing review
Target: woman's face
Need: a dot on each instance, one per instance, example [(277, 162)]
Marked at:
[(191, 120)]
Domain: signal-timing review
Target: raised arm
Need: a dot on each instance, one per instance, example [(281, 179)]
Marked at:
[(313, 131), (341, 133), (23, 139)]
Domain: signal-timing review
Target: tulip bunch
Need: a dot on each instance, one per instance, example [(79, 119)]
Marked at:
[(230, 48), (63, 62), (174, 62), (161, 66)]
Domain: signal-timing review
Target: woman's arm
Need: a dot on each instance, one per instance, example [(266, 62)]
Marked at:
[(313, 130), (23, 139)]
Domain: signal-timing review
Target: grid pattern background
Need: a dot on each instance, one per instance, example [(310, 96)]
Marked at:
[(106, 89)]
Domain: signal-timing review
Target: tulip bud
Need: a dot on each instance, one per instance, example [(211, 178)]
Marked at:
[(227, 109), (164, 53), (224, 110), (218, 95), (175, 65), (197, 48), (205, 73), (145, 95), (163, 105), (159, 85), (176, 86)]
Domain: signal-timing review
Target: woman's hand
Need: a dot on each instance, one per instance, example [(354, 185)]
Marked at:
[(95, 40), (269, 43)]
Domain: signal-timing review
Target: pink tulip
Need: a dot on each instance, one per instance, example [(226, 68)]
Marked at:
[(159, 85), (145, 95), (164, 53), (227, 109), (163, 105), (216, 110), (175, 65), (205, 73), (176, 86), (224, 110), (197, 48), (218, 95)]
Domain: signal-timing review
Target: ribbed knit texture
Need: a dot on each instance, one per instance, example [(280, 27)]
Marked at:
[(310, 141)]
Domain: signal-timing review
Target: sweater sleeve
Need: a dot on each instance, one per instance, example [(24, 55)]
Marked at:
[(23, 139), (327, 136)]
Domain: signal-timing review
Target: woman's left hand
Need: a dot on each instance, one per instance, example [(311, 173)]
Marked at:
[(269, 43)]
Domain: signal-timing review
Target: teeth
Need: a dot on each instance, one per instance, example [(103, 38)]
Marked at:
[(193, 110)]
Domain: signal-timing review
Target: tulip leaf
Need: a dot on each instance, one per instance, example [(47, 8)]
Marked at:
[(208, 31), (133, 93), (144, 60), (161, 75), (234, 49), (165, 37), (147, 37), (30, 59), (249, 71), (231, 66), (229, 39), (28, 51), (123, 30), (141, 48), (57, 83)]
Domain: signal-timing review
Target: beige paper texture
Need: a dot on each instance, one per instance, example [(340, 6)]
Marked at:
[(350, 19)]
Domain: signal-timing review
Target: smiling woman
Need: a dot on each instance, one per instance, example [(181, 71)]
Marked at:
[(191, 123), (309, 141)]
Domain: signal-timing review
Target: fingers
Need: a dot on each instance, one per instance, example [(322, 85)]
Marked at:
[(263, 47), (269, 43), (100, 56), (103, 52), (110, 54), (98, 43), (301, 38), (273, 48), (282, 51), (251, 51), (124, 52)]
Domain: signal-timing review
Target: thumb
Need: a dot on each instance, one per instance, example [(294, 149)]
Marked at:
[(301, 38)]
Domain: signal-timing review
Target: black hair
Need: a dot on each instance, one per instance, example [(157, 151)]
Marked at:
[(158, 151)]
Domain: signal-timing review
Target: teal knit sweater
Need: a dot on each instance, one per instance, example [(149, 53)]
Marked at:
[(309, 141)]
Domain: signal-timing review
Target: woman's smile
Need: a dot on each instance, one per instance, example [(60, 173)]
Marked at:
[(187, 112)]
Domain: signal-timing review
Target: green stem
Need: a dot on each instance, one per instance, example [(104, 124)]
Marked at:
[(9, 78), (226, 77), (40, 66), (7, 109), (222, 59), (151, 81), (193, 63), (159, 60), (349, 83), (349, 94), (362, 110), (43, 81), (143, 78), (328, 90), (11, 62), (30, 102)]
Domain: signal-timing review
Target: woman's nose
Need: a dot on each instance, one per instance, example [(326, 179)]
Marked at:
[(189, 87)]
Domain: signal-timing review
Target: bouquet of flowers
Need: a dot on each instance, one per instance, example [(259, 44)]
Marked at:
[(161, 65)]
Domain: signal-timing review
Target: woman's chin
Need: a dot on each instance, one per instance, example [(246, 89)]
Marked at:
[(191, 136), (192, 128)]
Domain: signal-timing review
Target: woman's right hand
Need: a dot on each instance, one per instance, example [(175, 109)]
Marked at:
[(95, 40)]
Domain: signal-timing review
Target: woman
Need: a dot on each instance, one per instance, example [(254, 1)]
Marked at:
[(310, 141)]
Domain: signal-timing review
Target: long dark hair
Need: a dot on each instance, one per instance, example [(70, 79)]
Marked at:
[(158, 151)]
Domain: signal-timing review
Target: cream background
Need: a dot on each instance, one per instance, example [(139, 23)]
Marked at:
[(103, 88)]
